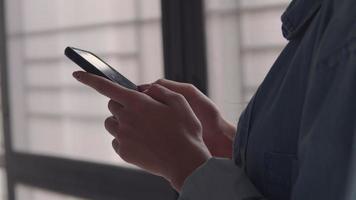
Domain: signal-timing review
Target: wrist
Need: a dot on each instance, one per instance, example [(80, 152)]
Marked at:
[(227, 129), (185, 168)]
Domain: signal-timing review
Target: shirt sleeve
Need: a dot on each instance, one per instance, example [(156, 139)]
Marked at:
[(221, 179)]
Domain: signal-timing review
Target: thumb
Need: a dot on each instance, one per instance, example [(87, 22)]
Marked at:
[(164, 95), (185, 89), (172, 85)]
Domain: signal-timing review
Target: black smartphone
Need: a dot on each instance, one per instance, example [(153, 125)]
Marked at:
[(91, 63)]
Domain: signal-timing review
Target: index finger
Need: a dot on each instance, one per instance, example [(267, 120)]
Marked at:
[(106, 87)]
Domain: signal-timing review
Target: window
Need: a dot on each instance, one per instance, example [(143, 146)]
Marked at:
[(58, 141), (2, 183), (52, 113), (2, 160), (243, 40), (55, 142)]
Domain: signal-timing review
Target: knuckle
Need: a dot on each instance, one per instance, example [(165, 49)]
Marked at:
[(174, 97), (123, 152), (114, 144), (111, 104), (196, 127), (178, 97), (155, 87), (190, 88), (108, 123), (215, 114), (114, 107), (161, 81)]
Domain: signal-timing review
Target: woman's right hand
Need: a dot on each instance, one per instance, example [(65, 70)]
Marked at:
[(217, 132)]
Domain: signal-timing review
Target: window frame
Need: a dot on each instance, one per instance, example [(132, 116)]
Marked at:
[(184, 60), (183, 27)]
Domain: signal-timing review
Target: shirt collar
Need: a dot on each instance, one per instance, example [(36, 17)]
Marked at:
[(296, 17)]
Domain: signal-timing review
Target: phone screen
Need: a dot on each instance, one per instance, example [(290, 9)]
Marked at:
[(83, 58)]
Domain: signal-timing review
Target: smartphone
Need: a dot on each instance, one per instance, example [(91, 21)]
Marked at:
[(91, 63)]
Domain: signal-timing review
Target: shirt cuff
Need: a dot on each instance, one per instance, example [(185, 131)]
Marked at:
[(218, 178)]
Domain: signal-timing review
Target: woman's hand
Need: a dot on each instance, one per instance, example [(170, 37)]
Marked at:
[(217, 132), (156, 130)]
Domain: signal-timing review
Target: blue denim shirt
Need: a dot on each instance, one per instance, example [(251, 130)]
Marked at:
[(295, 138)]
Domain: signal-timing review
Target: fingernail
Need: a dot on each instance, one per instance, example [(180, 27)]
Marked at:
[(76, 75)]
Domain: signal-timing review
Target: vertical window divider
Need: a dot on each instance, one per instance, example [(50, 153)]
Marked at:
[(183, 27), (5, 104)]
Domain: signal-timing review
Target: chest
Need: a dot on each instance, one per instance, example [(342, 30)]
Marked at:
[(267, 142), (272, 127)]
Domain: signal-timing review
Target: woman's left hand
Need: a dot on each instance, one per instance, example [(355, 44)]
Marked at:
[(156, 130)]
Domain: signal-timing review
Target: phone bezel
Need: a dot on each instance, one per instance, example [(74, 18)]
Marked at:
[(87, 66)]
